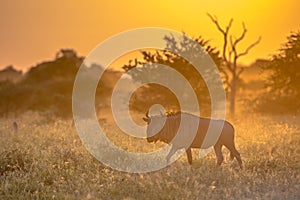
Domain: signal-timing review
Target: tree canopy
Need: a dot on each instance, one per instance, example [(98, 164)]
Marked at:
[(283, 85), (170, 57)]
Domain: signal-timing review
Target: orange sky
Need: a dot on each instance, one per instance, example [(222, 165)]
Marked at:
[(32, 31)]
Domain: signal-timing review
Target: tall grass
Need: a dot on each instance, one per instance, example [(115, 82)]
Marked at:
[(46, 160)]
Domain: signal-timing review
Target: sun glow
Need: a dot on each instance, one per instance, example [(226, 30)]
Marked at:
[(34, 31)]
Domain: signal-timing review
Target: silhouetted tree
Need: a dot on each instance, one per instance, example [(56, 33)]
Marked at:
[(64, 66), (230, 56), (10, 74), (283, 85), (170, 57), (47, 86)]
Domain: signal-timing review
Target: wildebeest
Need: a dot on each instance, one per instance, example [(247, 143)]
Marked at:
[(169, 130)]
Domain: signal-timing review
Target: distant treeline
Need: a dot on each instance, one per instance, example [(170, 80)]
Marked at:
[(47, 87)]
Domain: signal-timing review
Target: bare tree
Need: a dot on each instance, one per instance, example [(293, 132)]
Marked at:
[(230, 56)]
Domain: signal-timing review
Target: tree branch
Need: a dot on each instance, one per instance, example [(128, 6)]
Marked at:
[(242, 35), (240, 71), (224, 32), (215, 21), (249, 48), (233, 49)]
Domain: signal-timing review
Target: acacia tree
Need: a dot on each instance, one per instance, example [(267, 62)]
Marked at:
[(171, 57), (230, 56), (285, 66), (283, 85)]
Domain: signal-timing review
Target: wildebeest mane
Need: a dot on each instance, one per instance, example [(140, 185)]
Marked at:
[(172, 124)]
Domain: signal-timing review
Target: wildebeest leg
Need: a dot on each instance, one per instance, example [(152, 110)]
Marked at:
[(171, 153), (235, 153), (218, 151), (189, 155)]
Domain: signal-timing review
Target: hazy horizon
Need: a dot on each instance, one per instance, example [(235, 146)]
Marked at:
[(33, 31)]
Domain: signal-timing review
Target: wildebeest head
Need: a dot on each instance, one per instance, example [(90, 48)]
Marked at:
[(155, 124)]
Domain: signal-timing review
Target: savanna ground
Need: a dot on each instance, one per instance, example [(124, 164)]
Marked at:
[(46, 160)]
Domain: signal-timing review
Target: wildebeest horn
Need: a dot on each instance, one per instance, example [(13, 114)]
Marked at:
[(146, 119), (161, 113)]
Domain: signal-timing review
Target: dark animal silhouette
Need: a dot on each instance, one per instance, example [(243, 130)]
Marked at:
[(169, 130), (15, 127)]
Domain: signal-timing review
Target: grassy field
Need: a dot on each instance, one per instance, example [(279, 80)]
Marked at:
[(46, 160)]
